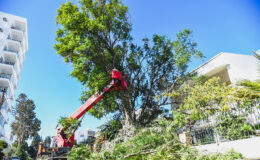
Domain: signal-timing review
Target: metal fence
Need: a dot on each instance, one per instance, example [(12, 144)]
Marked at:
[(227, 126)]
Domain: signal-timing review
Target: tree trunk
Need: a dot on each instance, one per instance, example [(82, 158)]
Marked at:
[(128, 110), (128, 120)]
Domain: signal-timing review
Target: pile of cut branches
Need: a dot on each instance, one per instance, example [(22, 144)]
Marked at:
[(155, 142)]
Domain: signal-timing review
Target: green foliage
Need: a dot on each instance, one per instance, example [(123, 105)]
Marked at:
[(157, 142), (95, 37), (9, 152), (68, 125), (22, 151), (26, 124), (47, 141), (254, 86), (233, 126), (3, 145), (81, 152), (198, 99), (15, 144), (33, 149), (111, 128)]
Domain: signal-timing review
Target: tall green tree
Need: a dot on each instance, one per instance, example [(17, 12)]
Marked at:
[(22, 153), (47, 141), (33, 148), (26, 124), (96, 37)]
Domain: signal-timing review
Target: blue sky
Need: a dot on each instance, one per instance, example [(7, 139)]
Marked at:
[(218, 25)]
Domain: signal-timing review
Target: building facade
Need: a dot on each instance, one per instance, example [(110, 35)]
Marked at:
[(85, 136), (230, 68), (13, 46)]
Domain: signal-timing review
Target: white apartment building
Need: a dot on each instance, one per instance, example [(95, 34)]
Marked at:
[(86, 136), (13, 46)]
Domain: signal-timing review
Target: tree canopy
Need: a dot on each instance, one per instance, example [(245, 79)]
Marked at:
[(95, 36), (26, 124)]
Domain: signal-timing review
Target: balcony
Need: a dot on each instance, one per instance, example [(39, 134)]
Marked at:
[(11, 51), (14, 82), (10, 55), (13, 57), (7, 82), (7, 76), (2, 131), (14, 39), (13, 45), (8, 97), (6, 62), (17, 28), (4, 113), (10, 78), (8, 85)]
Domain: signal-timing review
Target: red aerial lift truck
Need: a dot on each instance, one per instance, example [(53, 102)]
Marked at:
[(64, 144)]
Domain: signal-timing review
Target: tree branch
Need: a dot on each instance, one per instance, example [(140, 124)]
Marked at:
[(140, 153)]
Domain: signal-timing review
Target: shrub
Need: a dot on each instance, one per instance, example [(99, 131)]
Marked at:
[(232, 126)]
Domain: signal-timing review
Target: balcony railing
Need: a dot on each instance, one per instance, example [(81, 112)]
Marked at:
[(5, 62), (16, 52), (9, 37), (16, 28), (4, 114), (7, 76), (8, 50)]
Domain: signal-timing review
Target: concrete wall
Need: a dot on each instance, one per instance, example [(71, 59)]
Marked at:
[(250, 148)]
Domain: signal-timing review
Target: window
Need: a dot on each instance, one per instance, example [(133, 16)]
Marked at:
[(5, 19)]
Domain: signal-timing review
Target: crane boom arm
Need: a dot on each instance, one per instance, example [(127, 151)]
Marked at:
[(94, 99), (117, 83)]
